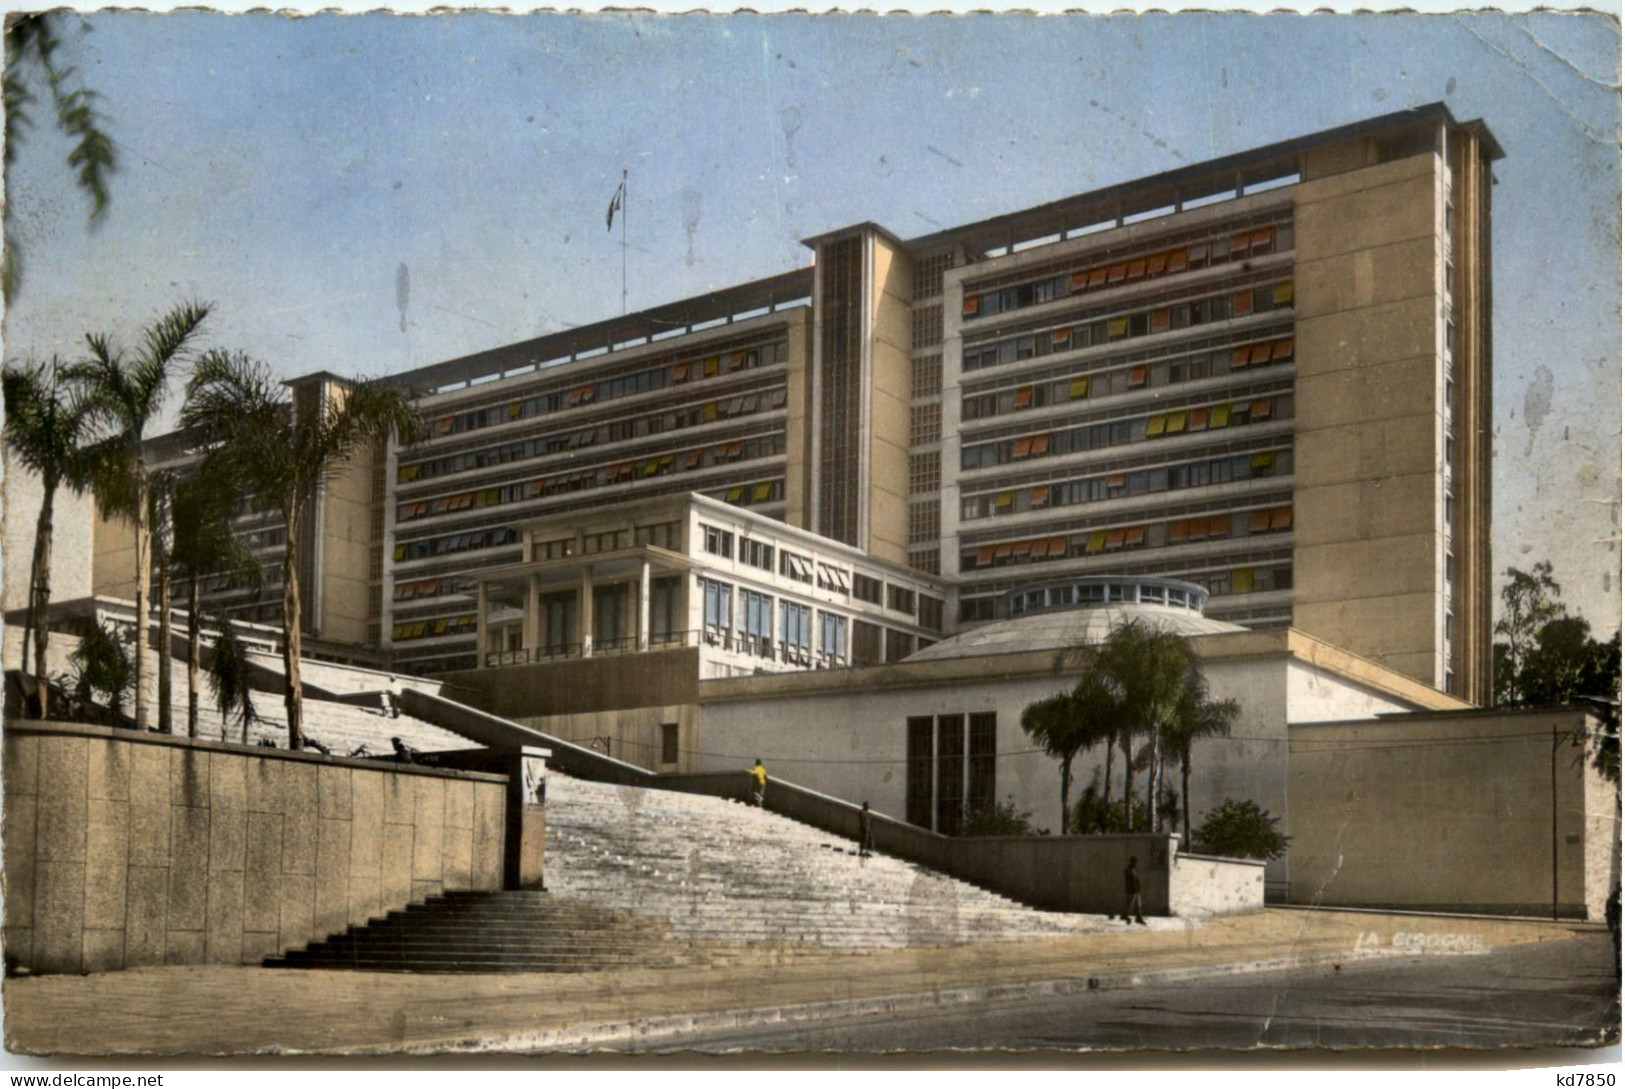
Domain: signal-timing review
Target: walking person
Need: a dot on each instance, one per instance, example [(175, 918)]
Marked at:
[(1131, 886), (759, 792), (866, 832)]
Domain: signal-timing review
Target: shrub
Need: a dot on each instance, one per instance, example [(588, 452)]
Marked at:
[(104, 669), (1238, 829), (998, 819)]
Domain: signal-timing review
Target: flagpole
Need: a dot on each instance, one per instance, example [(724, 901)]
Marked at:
[(623, 241)]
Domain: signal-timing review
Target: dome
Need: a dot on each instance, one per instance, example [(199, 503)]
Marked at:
[(1082, 611)]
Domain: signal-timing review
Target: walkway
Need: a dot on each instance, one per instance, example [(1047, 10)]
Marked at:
[(219, 1010)]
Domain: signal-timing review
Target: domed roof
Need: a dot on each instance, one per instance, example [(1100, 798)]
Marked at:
[(1057, 628)]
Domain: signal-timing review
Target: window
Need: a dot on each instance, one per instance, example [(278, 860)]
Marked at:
[(917, 790), (899, 645), (900, 599), (718, 605), (553, 550), (930, 612), (795, 625), (756, 553), (983, 761), (834, 578), (865, 643), (758, 614), (668, 742), (832, 636), (950, 773), (718, 542), (604, 542), (925, 424), (796, 567), (865, 588), (667, 535)]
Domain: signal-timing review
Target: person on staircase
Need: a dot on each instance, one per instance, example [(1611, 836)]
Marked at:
[(866, 832), (759, 792)]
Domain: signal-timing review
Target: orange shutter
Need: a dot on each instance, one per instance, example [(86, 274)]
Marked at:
[(1041, 444), (1281, 518), (1261, 409), (1021, 548), (1097, 277), (973, 303), (1239, 357), (1134, 535), (1116, 273), (1136, 376), (1023, 447), (984, 556), (1243, 303), (1114, 539), (1178, 531), (1240, 242), (1024, 396), (1283, 349), (1136, 269), (1261, 353), (1040, 496), (1219, 526), (1156, 264), (1159, 318), (1262, 236), (1259, 522), (1179, 260), (1079, 280), (1198, 419), (1057, 546), (1116, 480)]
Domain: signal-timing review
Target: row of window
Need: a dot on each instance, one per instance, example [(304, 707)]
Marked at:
[(430, 629), (1134, 429), (1247, 578), (758, 554), (615, 431), (659, 376), (1127, 538), (580, 480), (1121, 378), (1100, 593), (744, 619), (422, 549), (1118, 485), (1237, 246), (418, 589), (1143, 320)]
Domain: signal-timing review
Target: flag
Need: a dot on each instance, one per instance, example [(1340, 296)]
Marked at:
[(614, 203)]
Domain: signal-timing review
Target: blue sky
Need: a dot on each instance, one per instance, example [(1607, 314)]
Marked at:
[(287, 169)]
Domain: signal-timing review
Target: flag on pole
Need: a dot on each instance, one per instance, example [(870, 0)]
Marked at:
[(614, 203)]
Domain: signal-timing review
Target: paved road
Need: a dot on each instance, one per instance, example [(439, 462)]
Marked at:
[(1550, 994)]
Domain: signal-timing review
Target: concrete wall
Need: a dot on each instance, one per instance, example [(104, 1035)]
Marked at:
[(1450, 812), (658, 678), (113, 560), (347, 551), (126, 849), (1366, 535), (890, 363), (1202, 885)]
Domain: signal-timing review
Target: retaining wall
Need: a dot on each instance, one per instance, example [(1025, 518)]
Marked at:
[(125, 849)]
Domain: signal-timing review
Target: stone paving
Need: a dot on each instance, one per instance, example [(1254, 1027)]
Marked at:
[(232, 1010)]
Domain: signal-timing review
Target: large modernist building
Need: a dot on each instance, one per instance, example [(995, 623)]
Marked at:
[(1267, 375)]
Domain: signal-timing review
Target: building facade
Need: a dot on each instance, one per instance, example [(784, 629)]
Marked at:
[(1266, 374)]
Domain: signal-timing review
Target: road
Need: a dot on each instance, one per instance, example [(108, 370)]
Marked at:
[(1550, 994)]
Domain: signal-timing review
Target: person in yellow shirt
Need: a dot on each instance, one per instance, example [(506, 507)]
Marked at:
[(759, 773)]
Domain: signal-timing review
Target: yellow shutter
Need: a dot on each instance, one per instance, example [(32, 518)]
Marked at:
[(764, 491), (1264, 460), (1004, 499), (1241, 579), (1283, 293), (712, 365), (1097, 540), (1176, 422), (710, 411), (1080, 386), (1155, 425), (1221, 416), (1118, 327)]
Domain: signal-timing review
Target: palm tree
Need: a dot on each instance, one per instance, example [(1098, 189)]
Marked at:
[(1099, 713), (248, 421), (124, 393), (47, 428), (1053, 723), (204, 546), (1150, 668), (229, 680), (1197, 717)]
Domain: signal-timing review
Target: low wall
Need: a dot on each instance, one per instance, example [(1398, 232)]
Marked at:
[(1204, 885), (1057, 873), (125, 849)]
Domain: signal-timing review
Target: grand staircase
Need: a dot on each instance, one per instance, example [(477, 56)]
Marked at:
[(717, 870)]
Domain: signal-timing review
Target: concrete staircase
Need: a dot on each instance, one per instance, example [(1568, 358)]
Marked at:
[(501, 932), (717, 870)]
